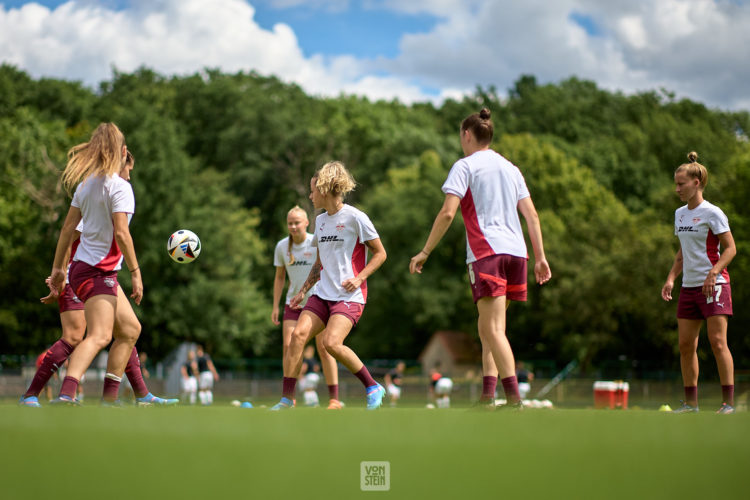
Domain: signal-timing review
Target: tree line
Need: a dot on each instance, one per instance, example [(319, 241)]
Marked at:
[(227, 155)]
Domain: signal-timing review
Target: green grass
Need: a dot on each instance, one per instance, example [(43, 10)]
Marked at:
[(223, 452)]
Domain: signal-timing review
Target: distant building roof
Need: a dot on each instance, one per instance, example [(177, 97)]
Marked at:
[(462, 347)]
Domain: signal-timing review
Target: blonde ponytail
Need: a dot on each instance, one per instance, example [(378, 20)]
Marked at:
[(101, 155)]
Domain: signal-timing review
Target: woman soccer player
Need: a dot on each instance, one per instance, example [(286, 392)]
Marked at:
[(295, 256), (342, 235), (73, 322), (104, 201), (491, 191), (703, 230)]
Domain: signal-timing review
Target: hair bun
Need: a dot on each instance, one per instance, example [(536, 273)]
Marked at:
[(693, 156), (484, 114)]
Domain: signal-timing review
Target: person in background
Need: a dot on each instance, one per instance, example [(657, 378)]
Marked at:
[(525, 377), (393, 381), (207, 375), (189, 372), (309, 377)]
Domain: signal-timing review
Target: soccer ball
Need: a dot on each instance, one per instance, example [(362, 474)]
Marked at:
[(184, 246)]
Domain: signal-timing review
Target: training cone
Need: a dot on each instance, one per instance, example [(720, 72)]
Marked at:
[(665, 408)]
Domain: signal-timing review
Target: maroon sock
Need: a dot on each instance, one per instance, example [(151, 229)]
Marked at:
[(55, 357), (727, 394), (288, 387), (510, 386), (691, 395), (133, 371), (69, 387), (364, 376), (489, 383), (111, 387), (333, 391)]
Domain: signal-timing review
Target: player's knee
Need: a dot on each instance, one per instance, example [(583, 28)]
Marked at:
[(718, 343), (298, 338), (129, 332), (686, 346), (331, 348), (101, 341), (73, 338)]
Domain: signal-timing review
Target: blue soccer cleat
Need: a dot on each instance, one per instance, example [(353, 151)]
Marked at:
[(375, 395), (65, 401), (686, 408), (151, 400), (284, 404), (30, 401), (725, 409)]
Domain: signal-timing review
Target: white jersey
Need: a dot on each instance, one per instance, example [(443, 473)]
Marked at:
[(698, 229), (98, 198), (340, 239), (305, 255), (490, 188)]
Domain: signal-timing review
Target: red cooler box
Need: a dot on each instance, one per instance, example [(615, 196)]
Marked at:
[(611, 394), (604, 394)]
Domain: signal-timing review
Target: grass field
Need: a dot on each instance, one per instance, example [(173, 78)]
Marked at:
[(224, 452)]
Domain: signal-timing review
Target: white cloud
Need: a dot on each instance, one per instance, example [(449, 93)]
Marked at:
[(79, 41), (697, 48)]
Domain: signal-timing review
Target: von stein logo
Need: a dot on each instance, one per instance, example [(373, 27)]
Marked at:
[(375, 476)]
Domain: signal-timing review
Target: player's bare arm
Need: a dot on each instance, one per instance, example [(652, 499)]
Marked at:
[(542, 272), (312, 278), (278, 288), (729, 250), (67, 235), (439, 227), (125, 242), (666, 290)]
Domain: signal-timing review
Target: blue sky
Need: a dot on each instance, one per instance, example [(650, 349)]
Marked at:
[(412, 50), (362, 32)]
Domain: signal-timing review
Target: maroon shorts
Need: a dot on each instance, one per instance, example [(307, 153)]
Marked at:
[(68, 300), (291, 314), (692, 304), (88, 281), (498, 275), (324, 309)]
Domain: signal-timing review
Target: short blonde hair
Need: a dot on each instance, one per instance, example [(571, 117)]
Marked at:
[(333, 178), (101, 155), (694, 170)]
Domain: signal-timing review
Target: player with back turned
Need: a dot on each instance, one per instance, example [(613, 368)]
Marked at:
[(490, 191)]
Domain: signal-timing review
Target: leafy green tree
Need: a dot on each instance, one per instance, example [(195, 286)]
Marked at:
[(30, 206), (403, 310), (605, 292)]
